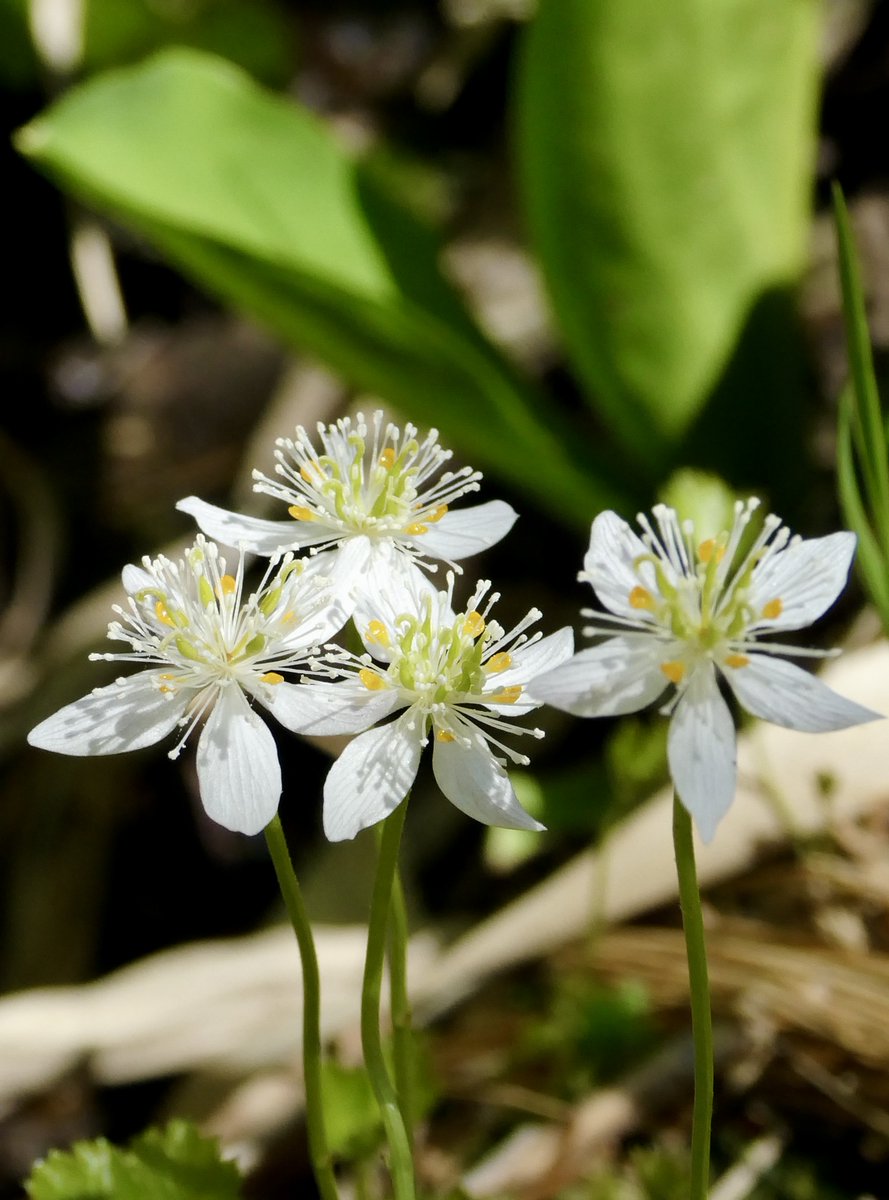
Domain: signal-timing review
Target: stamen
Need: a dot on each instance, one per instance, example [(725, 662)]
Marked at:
[(737, 660), (300, 513), (371, 680), (710, 549), (773, 609), (160, 611), (271, 677), (498, 662), (674, 671), (474, 624), (377, 634), (641, 597)]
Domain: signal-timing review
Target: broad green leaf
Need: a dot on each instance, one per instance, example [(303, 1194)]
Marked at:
[(665, 155), (254, 198), (174, 1163)]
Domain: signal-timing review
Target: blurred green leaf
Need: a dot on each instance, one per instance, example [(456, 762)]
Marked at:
[(665, 154), (19, 67), (861, 438), (174, 1163), (253, 197), (252, 33), (351, 1113)]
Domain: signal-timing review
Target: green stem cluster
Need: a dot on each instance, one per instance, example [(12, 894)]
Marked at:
[(394, 1123), (699, 987), (319, 1153)]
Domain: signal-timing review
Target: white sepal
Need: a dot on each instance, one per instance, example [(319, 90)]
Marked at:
[(463, 532), (610, 565), (371, 777), (252, 533), (474, 781), (125, 715), (780, 691), (328, 708), (807, 576), (702, 752), (237, 765), (620, 675)]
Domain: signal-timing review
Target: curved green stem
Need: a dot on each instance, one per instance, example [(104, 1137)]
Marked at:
[(322, 1164), (699, 988), (402, 1031), (400, 1158)]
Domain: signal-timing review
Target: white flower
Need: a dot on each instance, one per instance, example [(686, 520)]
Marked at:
[(453, 677), (207, 653), (366, 504), (682, 614)]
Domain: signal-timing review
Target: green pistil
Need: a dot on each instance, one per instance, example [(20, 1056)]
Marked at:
[(187, 650)]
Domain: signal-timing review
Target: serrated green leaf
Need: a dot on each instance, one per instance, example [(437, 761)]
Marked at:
[(173, 1163), (253, 197), (665, 154)]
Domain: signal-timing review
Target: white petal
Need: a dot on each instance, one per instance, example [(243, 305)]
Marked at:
[(806, 577), (253, 533), (473, 780), (125, 715), (701, 751), (467, 531), (371, 777), (620, 675), (237, 762), (781, 692), (327, 708), (608, 565)]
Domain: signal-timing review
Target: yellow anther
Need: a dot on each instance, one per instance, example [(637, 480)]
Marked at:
[(674, 671), (307, 473), (371, 680), (416, 528), (377, 634), (271, 677), (507, 695), (160, 611), (444, 736), (437, 515), (641, 597), (474, 624), (737, 660), (498, 662), (773, 609), (387, 458), (227, 585), (205, 591), (711, 549), (299, 513)]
